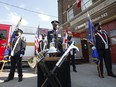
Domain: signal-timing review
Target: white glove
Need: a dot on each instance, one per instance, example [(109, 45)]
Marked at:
[(93, 47), (21, 55), (75, 54)]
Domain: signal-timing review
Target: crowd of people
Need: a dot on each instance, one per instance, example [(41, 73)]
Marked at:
[(102, 45)]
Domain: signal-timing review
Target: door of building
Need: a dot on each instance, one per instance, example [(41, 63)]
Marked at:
[(85, 51)]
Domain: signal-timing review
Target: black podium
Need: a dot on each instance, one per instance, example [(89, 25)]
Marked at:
[(63, 73)]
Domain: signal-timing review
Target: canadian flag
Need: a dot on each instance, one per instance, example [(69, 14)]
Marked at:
[(78, 3), (66, 38)]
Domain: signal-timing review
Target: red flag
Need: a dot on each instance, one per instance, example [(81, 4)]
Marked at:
[(66, 38), (36, 43), (78, 3)]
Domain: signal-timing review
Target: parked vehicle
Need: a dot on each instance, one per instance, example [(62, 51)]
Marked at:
[(28, 33), (5, 33)]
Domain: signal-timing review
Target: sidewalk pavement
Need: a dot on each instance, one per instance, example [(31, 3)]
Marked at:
[(86, 76)]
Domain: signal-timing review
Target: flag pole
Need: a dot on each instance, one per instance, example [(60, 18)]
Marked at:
[(99, 71), (12, 37), (98, 65)]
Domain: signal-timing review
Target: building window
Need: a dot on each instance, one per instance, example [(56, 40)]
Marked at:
[(112, 33), (85, 4), (70, 14), (113, 36), (113, 39)]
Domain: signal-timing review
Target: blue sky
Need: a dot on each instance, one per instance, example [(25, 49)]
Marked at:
[(11, 15)]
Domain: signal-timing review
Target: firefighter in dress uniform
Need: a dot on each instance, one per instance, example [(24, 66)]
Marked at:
[(43, 43), (18, 46), (103, 47), (54, 36), (71, 56)]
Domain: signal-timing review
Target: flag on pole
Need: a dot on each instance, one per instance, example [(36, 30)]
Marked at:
[(78, 3), (66, 38), (90, 30), (7, 53), (17, 26), (91, 33), (36, 42), (13, 34), (9, 48)]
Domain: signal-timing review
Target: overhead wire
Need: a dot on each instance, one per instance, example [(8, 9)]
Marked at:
[(26, 9)]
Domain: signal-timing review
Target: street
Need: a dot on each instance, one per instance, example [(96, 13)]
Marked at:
[(86, 76)]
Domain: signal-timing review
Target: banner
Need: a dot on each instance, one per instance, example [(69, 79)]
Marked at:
[(91, 33)]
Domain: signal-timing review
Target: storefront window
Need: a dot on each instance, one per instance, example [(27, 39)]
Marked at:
[(113, 36), (85, 4), (70, 14)]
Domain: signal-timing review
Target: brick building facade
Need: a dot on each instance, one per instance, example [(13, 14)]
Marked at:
[(103, 11)]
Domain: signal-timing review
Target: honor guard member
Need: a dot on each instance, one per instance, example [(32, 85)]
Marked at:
[(103, 47), (17, 52), (71, 56), (52, 36), (42, 43)]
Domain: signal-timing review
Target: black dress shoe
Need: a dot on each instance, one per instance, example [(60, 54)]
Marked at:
[(8, 79), (75, 70), (112, 75), (102, 76), (20, 79)]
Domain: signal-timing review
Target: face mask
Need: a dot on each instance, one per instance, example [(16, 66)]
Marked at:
[(57, 26), (99, 28), (16, 34)]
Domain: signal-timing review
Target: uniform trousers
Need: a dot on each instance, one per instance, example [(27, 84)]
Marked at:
[(71, 58), (16, 60), (105, 54)]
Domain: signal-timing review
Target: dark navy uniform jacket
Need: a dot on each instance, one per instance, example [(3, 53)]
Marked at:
[(58, 40), (20, 48), (99, 42), (50, 36)]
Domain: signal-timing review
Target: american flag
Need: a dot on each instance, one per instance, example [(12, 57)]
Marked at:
[(36, 43)]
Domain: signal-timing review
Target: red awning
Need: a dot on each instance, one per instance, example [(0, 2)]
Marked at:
[(76, 34)]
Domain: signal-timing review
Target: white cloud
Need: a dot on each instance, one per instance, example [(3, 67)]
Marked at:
[(14, 18), (22, 6), (6, 7), (44, 17), (38, 9)]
